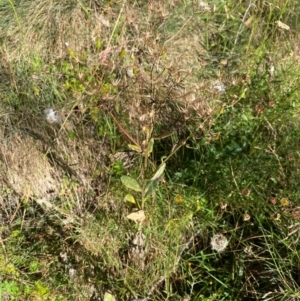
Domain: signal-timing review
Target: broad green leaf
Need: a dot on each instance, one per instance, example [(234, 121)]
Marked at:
[(150, 147), (131, 183), (135, 148), (159, 172), (109, 297), (150, 187), (129, 198), (154, 180)]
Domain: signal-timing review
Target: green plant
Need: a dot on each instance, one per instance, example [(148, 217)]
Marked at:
[(9, 289), (145, 189), (193, 107)]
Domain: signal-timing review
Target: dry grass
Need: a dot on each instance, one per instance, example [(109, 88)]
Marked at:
[(123, 72), (49, 26)]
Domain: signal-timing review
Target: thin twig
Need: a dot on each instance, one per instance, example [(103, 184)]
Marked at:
[(122, 129), (243, 20), (184, 24), (116, 24)]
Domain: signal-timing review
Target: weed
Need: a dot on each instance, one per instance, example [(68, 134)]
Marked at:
[(169, 165)]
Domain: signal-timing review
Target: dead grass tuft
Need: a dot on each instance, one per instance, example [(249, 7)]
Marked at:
[(50, 27), (28, 171)]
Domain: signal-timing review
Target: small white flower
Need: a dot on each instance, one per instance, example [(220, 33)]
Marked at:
[(72, 272), (52, 116), (204, 6), (143, 118), (130, 73), (219, 242), (63, 256)]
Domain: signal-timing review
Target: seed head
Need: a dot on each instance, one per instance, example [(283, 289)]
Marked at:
[(52, 116), (219, 242)]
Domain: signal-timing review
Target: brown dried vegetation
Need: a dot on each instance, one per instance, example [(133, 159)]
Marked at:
[(120, 73)]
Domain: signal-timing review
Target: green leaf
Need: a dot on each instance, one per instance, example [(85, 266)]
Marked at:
[(131, 183), (98, 44), (129, 198), (159, 172), (150, 147), (71, 135), (135, 148), (150, 187), (154, 180)]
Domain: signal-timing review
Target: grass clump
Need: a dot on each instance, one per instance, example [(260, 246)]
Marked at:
[(171, 171)]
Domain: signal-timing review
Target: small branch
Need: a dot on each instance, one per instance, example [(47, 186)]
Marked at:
[(122, 129), (243, 20), (116, 24), (184, 24)]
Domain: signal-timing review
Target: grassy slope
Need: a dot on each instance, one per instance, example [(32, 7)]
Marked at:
[(140, 85)]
